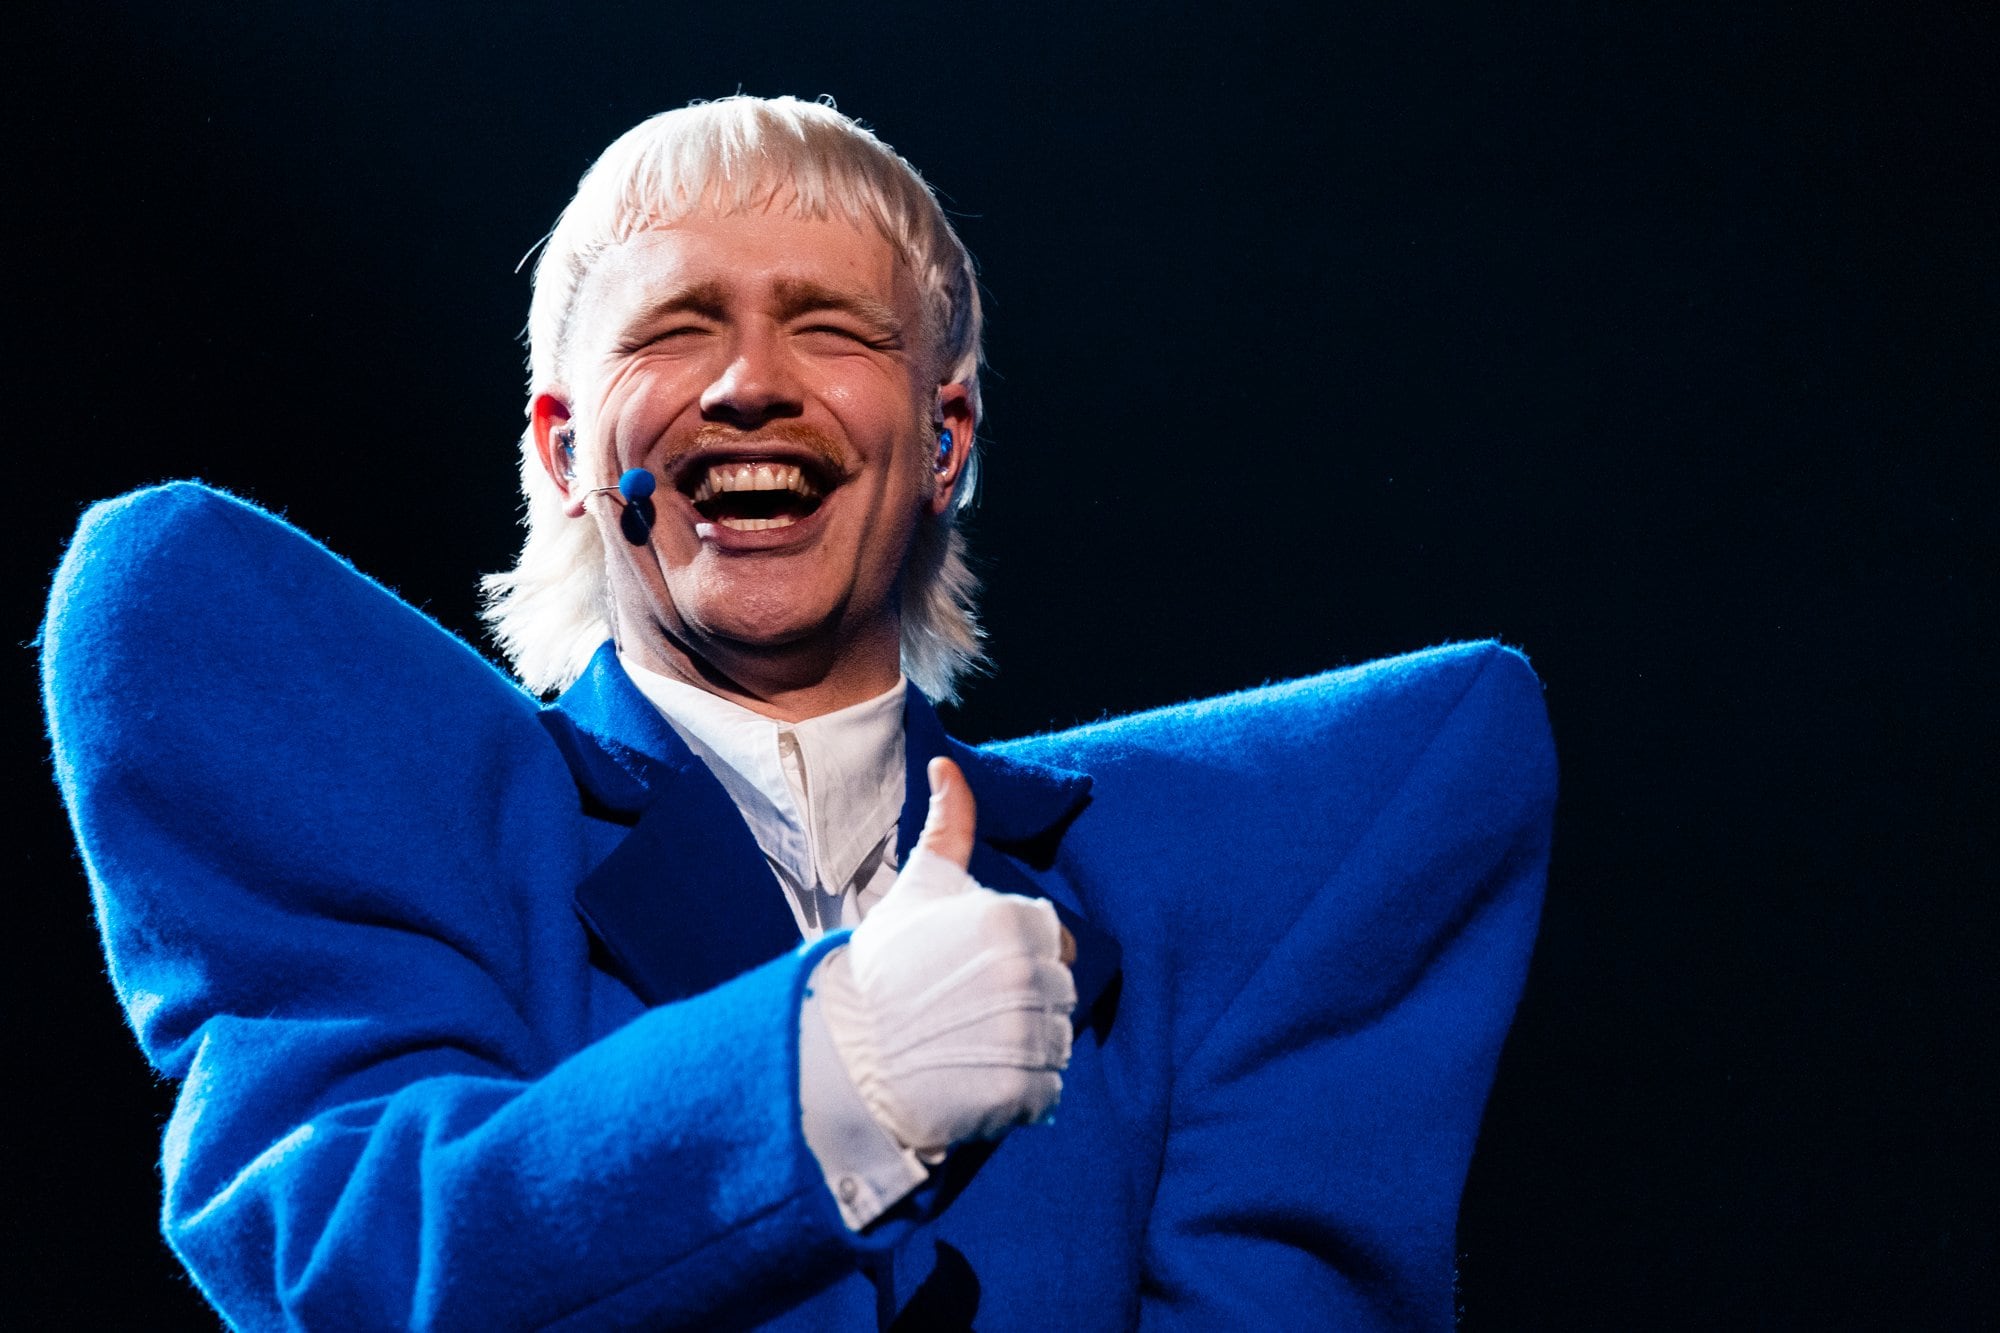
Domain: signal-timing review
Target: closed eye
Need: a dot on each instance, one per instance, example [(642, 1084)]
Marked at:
[(856, 337), (657, 337)]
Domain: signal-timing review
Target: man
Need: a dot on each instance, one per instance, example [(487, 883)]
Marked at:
[(674, 1004)]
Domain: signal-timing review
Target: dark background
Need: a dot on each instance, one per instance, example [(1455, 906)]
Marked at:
[(1657, 340)]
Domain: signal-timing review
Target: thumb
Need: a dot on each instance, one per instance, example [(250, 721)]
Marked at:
[(952, 817)]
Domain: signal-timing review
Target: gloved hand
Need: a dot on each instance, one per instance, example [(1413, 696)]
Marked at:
[(950, 1006)]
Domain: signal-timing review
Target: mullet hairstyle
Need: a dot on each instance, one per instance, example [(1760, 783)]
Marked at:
[(733, 155)]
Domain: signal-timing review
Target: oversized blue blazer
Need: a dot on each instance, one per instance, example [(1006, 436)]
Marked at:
[(485, 1016)]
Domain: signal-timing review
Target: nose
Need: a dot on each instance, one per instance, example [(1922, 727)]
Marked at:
[(757, 384)]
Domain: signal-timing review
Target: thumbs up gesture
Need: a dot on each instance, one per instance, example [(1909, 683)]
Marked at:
[(950, 1005)]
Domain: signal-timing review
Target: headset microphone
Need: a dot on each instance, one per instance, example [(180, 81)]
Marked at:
[(635, 487)]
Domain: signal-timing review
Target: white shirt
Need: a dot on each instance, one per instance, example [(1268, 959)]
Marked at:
[(823, 798)]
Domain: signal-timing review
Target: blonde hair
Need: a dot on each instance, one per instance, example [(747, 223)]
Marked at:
[(550, 612)]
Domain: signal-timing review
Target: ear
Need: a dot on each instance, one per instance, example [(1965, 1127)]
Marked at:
[(548, 421), (955, 414)]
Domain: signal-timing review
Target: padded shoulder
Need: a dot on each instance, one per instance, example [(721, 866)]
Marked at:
[(185, 564), (1368, 715), (224, 692), (1381, 803), (182, 616)]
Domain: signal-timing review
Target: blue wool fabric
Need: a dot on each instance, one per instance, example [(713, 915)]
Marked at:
[(485, 1016)]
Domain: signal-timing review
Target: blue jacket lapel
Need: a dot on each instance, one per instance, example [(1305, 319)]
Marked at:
[(686, 901)]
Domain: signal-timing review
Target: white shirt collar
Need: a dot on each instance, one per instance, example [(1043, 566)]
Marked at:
[(818, 795)]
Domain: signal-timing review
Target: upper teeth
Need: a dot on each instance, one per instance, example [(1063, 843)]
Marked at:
[(753, 477)]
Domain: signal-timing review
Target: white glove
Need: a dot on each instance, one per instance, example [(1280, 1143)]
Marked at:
[(950, 1005)]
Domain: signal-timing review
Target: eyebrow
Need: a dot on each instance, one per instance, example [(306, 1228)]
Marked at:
[(707, 299), (800, 296)]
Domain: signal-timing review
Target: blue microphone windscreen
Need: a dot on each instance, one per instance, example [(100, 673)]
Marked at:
[(636, 484)]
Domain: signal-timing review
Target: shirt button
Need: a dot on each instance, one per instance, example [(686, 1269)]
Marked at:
[(848, 1189)]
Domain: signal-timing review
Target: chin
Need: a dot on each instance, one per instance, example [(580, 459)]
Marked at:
[(760, 618)]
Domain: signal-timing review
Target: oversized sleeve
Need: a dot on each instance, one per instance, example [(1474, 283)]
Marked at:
[(1331, 889), (332, 856)]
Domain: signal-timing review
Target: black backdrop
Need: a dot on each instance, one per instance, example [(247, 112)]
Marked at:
[(1657, 340)]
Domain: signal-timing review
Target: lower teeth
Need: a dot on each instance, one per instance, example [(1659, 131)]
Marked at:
[(756, 524)]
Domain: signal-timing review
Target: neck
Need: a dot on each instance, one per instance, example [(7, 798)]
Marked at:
[(788, 682)]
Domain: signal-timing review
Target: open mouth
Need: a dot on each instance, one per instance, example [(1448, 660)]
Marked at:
[(754, 495)]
